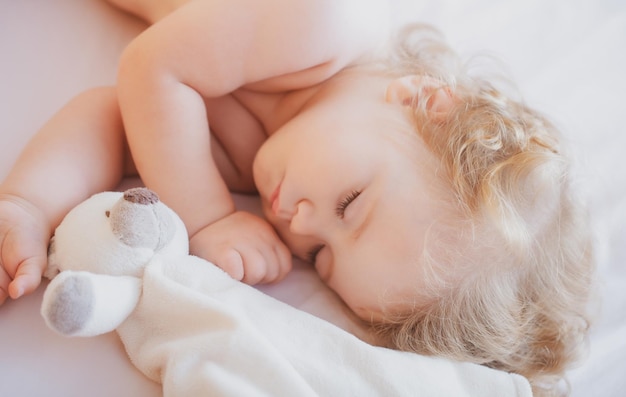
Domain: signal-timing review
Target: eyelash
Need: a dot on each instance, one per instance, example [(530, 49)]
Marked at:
[(311, 256), (341, 207)]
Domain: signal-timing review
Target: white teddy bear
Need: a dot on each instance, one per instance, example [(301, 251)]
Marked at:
[(101, 249), (120, 262)]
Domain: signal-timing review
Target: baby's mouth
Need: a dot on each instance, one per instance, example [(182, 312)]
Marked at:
[(274, 200)]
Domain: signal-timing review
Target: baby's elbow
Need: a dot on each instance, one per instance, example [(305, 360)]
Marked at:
[(131, 61), (141, 69)]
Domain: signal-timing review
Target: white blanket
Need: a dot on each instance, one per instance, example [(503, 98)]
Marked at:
[(199, 332)]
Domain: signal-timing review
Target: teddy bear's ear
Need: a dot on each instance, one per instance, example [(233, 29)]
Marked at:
[(53, 267)]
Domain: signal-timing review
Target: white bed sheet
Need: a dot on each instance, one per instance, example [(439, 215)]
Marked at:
[(567, 56)]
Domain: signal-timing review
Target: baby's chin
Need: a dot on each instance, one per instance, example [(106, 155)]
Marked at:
[(371, 315), (389, 311)]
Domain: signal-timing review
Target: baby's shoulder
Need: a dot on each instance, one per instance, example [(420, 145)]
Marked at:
[(323, 38)]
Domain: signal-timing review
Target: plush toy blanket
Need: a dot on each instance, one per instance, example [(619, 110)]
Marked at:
[(200, 333)]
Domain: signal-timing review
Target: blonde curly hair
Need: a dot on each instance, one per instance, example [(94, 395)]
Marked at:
[(521, 245)]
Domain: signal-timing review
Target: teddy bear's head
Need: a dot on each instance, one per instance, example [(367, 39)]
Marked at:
[(116, 234)]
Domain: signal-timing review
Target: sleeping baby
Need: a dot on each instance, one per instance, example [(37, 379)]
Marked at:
[(434, 204)]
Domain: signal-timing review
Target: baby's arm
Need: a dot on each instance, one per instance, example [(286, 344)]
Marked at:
[(208, 49), (205, 49), (80, 151)]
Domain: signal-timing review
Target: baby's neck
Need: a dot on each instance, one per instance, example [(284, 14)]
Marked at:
[(352, 85)]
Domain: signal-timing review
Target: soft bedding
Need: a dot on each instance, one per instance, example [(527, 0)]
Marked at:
[(566, 56)]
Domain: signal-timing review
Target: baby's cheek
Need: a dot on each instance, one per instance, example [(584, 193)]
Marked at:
[(324, 265), (362, 302)]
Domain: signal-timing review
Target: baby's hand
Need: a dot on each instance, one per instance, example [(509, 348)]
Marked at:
[(24, 236), (244, 246)]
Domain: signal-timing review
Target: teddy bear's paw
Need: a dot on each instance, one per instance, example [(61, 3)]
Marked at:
[(71, 305)]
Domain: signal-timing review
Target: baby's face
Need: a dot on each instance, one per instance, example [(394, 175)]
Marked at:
[(351, 189)]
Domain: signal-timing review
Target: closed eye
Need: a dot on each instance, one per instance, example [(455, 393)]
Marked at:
[(343, 204)]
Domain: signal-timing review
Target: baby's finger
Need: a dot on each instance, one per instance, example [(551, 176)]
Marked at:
[(277, 261), (231, 262), (27, 277), (5, 280), (255, 267), (272, 267), (284, 259), (272, 271)]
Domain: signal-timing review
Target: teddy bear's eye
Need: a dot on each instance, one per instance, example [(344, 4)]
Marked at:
[(107, 213)]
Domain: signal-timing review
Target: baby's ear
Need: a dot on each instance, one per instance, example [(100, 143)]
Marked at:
[(409, 90)]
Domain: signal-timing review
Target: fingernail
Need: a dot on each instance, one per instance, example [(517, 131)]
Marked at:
[(15, 292)]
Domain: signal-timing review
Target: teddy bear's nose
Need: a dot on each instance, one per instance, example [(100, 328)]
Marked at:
[(141, 195), (138, 219)]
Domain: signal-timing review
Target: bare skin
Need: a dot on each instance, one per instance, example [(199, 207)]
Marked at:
[(84, 148), (44, 183), (241, 95)]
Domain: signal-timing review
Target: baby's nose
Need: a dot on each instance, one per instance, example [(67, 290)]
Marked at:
[(303, 219)]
